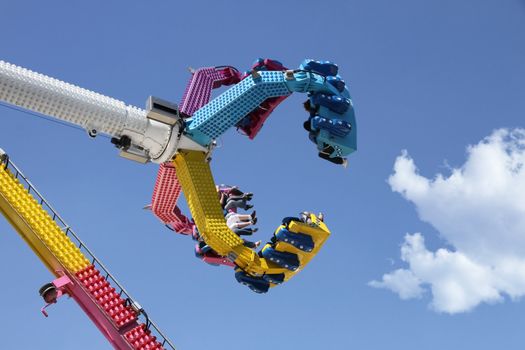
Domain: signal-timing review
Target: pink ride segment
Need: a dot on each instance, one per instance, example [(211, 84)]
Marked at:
[(164, 201), (202, 82), (111, 314), (167, 187), (164, 205)]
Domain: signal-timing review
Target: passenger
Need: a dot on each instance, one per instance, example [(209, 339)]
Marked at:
[(312, 134), (233, 203), (306, 218), (327, 151), (239, 223), (235, 192), (308, 107), (244, 231), (234, 220), (250, 244), (223, 197), (231, 198), (4, 158)]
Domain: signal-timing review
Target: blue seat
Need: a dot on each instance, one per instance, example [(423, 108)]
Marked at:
[(286, 221), (256, 284), (289, 261), (334, 103), (275, 278), (321, 67), (336, 82), (298, 240)]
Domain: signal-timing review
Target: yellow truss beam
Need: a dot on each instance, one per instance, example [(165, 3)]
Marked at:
[(34, 224)]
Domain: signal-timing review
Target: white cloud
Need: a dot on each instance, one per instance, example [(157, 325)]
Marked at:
[(403, 282), (479, 210)]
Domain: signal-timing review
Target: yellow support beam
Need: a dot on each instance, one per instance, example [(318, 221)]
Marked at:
[(37, 228)]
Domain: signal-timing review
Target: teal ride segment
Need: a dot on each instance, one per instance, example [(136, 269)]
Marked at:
[(331, 125), (227, 109)]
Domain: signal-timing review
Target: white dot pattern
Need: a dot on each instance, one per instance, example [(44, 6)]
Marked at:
[(42, 94)]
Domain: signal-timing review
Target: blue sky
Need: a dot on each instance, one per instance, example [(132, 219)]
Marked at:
[(428, 77)]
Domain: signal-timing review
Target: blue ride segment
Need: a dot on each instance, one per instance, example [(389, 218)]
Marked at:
[(227, 109), (331, 124)]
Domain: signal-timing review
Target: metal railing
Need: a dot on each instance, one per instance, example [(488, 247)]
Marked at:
[(150, 325)]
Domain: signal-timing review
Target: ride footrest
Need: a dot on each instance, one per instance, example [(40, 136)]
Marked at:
[(141, 339), (287, 260), (275, 278), (106, 297), (298, 240), (256, 284)]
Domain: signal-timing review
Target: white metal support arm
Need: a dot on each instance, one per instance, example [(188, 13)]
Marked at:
[(151, 139)]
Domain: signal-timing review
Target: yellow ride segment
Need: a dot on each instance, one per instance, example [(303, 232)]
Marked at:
[(195, 177), (319, 233), (37, 228), (194, 174)]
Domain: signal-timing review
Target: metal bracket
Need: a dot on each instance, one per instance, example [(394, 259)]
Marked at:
[(134, 155), (289, 75), (162, 111), (50, 292)]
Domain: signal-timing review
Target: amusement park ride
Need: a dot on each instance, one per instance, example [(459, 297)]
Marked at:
[(181, 139)]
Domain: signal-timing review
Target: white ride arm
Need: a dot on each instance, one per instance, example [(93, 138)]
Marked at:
[(150, 135)]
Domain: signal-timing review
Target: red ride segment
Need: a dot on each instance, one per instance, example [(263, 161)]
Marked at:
[(253, 122), (106, 297), (141, 339)]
